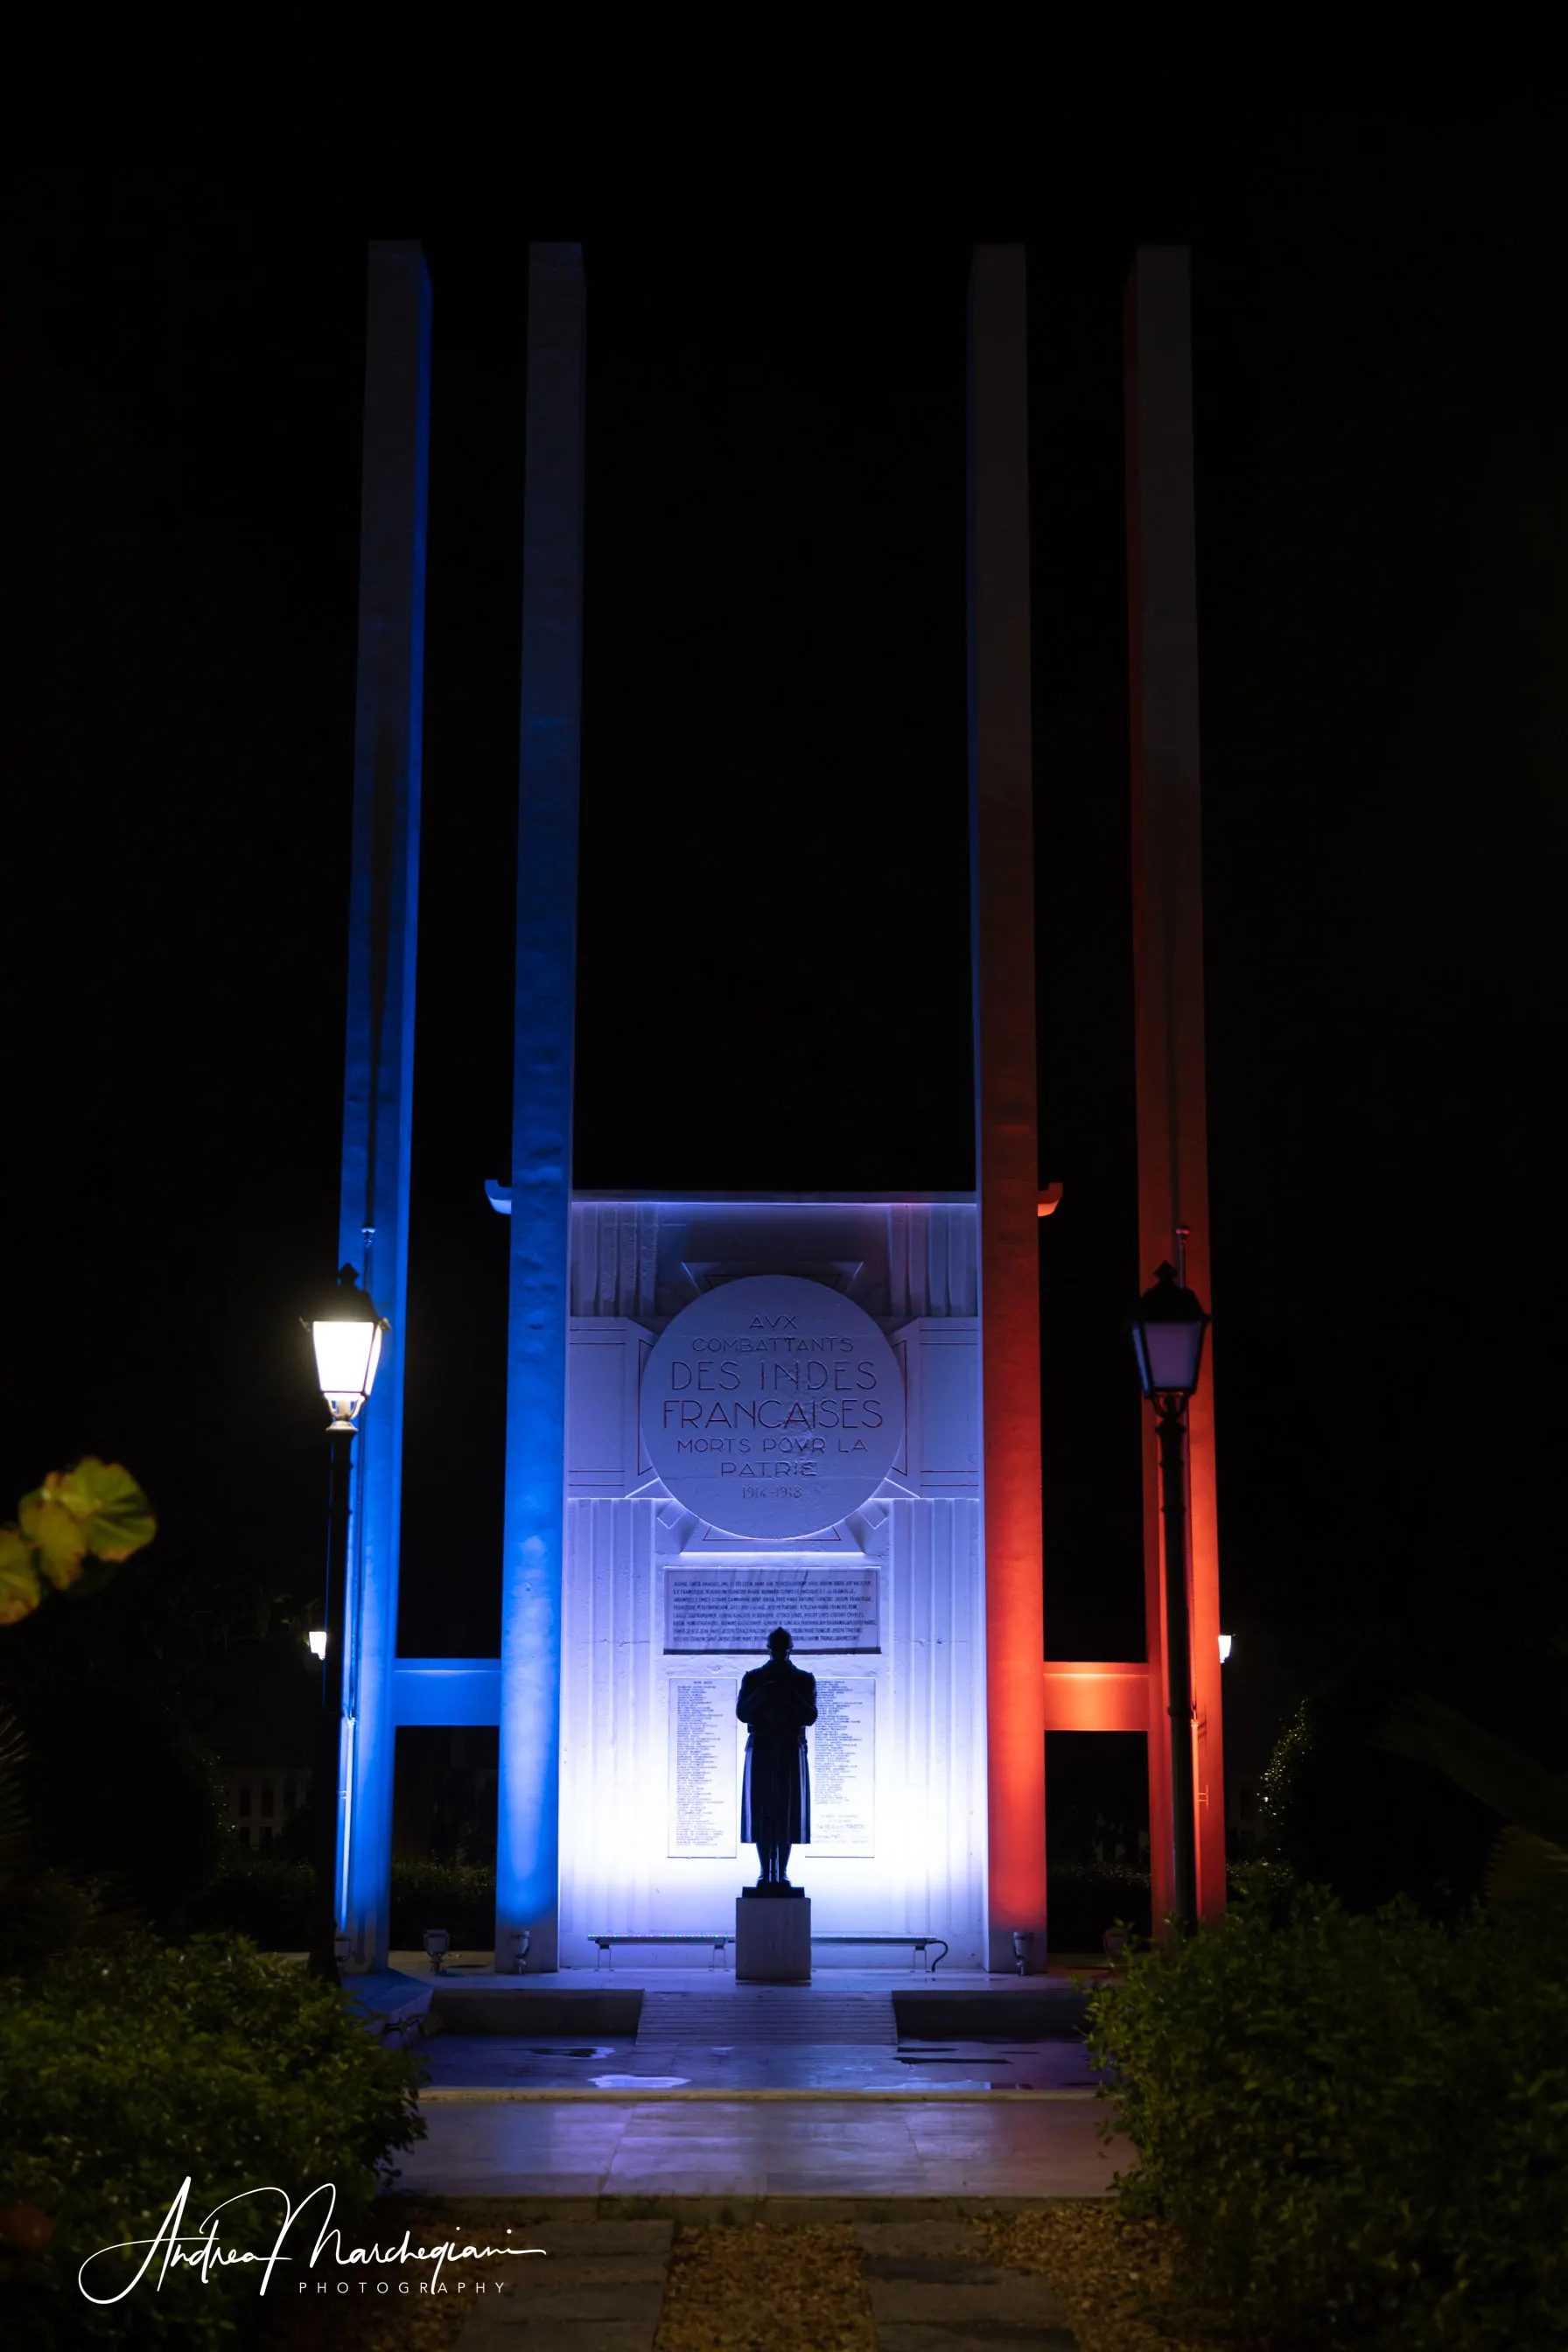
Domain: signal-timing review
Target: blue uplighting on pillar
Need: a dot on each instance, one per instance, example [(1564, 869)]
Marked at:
[(528, 1829), (378, 1093)]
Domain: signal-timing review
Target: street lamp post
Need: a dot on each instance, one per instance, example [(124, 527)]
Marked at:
[(1168, 1340), (347, 1338)]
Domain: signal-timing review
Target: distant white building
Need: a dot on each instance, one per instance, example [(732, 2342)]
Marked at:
[(263, 1799)]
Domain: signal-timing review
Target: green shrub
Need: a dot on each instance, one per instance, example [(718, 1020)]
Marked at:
[(268, 1898), (457, 1895), (261, 1897), (129, 2067), (1280, 1789), (118, 1790), (1088, 1897), (1357, 2124), (1340, 1809)]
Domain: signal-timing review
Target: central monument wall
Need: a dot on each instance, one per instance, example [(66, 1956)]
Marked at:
[(663, 1609)]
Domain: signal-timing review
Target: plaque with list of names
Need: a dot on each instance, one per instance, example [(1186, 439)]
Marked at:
[(704, 1818), (842, 1748), (733, 1610)]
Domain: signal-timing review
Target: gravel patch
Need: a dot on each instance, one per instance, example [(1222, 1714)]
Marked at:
[(1116, 2277), (767, 2290), (775, 2287)]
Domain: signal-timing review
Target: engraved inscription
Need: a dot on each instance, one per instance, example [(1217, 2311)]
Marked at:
[(842, 1748), (774, 1406), (733, 1610), (704, 1797)]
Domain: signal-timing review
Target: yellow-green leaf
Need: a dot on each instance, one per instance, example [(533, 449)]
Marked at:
[(104, 1499), (60, 1538), (20, 1590)]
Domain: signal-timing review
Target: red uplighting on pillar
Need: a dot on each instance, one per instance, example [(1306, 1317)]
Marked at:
[(1007, 1173), (1168, 957)]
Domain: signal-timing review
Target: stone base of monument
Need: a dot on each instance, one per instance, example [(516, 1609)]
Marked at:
[(772, 1938)]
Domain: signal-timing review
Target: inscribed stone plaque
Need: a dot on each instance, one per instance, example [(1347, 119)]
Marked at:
[(704, 1771), (842, 1749), (733, 1610), (772, 1406)]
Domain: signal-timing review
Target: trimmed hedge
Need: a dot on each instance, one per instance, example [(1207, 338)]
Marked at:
[(116, 1791), (125, 2069), (457, 1895), (1357, 2124), (269, 1899), (1088, 1897), (261, 1897)]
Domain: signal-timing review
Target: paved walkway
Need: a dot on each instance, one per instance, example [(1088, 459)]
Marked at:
[(733, 2154), (740, 2096), (600, 2287), (539, 2064)]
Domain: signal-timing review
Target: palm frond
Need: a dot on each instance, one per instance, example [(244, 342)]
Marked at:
[(14, 1823), (1528, 1873), (1476, 1759)]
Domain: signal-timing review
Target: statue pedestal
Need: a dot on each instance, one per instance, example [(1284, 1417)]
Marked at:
[(772, 1938)]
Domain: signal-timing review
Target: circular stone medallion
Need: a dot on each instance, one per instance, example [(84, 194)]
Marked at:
[(772, 1406)]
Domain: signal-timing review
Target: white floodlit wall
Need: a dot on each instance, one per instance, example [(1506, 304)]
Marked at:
[(650, 1751)]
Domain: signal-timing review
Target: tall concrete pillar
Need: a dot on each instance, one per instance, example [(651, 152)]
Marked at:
[(528, 1835), (1168, 951), (378, 1089), (1001, 901)]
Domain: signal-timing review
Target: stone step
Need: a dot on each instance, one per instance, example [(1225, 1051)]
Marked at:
[(1049, 2010), (755, 2015), (595, 2013)]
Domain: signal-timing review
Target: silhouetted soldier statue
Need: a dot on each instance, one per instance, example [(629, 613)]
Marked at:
[(777, 1701)]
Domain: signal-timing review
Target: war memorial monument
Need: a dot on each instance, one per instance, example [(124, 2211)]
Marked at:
[(733, 1418)]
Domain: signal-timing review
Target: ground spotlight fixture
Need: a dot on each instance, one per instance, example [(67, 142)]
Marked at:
[(437, 1944)]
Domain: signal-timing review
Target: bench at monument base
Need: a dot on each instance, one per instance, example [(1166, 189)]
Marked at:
[(606, 1944), (921, 1944)]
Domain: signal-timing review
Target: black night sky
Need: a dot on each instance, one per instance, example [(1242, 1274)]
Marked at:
[(774, 823)]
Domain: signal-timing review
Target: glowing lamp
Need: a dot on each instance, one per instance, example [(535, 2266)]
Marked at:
[(1168, 1337), (1225, 1649), (317, 1638), (347, 1339)]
